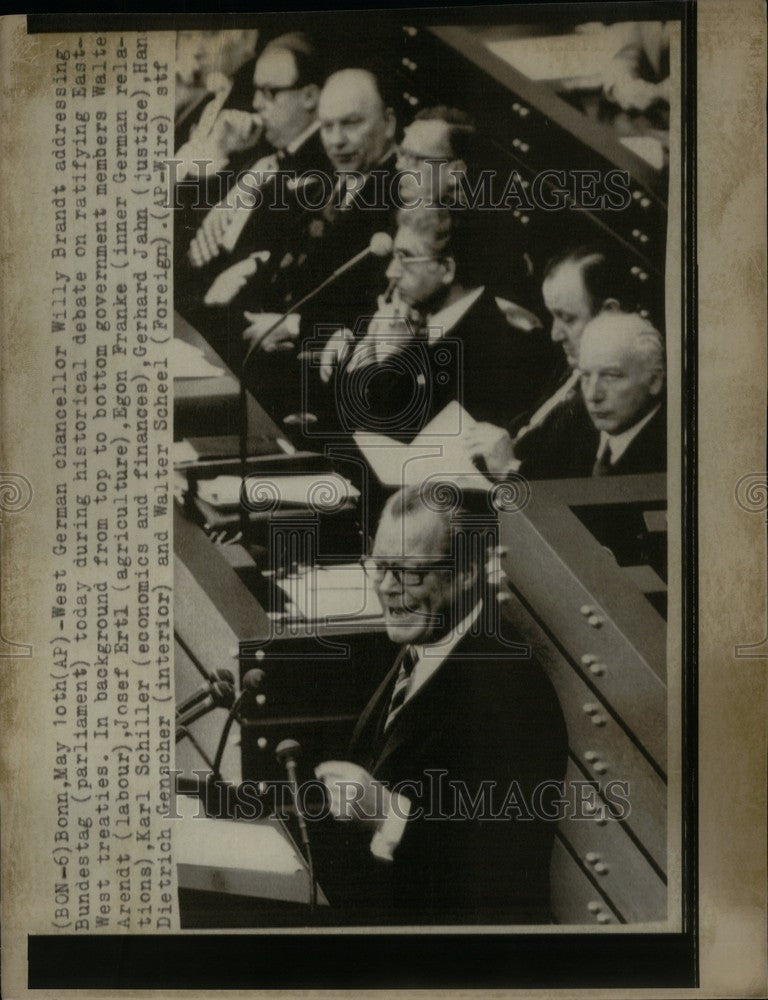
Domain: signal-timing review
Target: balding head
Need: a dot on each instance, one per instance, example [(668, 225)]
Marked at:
[(356, 127), (621, 360)]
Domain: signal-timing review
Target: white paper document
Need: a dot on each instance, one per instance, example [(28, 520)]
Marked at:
[(437, 453), (326, 492), (186, 361)]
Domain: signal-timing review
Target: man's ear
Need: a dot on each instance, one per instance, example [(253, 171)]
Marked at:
[(656, 382), (450, 270), (456, 168), (310, 96), (390, 124)]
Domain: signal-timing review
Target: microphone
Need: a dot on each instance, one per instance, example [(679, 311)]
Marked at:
[(379, 245), (221, 695), (287, 753), (194, 699), (252, 681)]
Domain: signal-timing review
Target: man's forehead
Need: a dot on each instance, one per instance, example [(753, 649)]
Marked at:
[(567, 281), (603, 346), (275, 66), (419, 533), (406, 238), (351, 96), (429, 139)]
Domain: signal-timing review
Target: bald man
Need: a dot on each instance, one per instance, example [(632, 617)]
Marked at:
[(621, 374), (578, 285), (357, 131)]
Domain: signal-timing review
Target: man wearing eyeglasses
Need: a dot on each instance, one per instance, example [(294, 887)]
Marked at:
[(464, 716), (442, 335), (244, 230)]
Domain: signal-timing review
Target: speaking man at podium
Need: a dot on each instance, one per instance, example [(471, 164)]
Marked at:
[(452, 764)]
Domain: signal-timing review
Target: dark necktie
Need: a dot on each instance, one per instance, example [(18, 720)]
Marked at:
[(602, 466), (402, 684)]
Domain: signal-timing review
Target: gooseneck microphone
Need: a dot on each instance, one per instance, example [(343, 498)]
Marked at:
[(287, 753), (194, 699), (379, 246), (252, 681), (220, 695)]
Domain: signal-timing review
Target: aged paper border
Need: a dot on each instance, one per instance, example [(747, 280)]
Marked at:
[(733, 592)]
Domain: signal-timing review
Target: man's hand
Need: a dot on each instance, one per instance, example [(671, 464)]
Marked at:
[(334, 352), (234, 131), (230, 282), (282, 338), (207, 241), (494, 446), (355, 794)]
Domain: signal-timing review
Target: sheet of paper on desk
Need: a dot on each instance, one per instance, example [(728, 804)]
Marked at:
[(331, 593), (224, 843), (327, 491), (187, 361), (437, 453)]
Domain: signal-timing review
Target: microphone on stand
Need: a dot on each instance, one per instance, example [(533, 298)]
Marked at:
[(252, 681), (380, 245), (218, 675), (221, 695), (287, 753)]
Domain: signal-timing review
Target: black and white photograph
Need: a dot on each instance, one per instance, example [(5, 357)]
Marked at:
[(421, 444), (383, 593)]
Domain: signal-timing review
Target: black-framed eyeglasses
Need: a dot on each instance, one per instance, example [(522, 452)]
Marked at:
[(269, 93), (409, 573)]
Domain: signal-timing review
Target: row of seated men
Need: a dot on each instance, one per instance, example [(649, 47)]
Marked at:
[(444, 315), (386, 347)]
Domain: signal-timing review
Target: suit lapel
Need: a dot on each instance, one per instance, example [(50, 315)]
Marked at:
[(365, 732), (409, 721)]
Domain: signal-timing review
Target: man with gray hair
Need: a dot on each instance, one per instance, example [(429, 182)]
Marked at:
[(455, 760), (621, 374)]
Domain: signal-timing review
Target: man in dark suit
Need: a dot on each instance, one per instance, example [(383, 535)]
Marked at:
[(242, 232), (441, 337), (577, 285), (355, 202), (454, 762), (619, 425)]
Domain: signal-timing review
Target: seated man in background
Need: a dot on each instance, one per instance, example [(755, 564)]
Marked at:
[(439, 160), (462, 717), (209, 66), (578, 284), (442, 337), (245, 229), (357, 132), (621, 371)]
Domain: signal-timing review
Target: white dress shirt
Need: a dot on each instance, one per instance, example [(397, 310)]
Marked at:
[(617, 444), (429, 657)]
